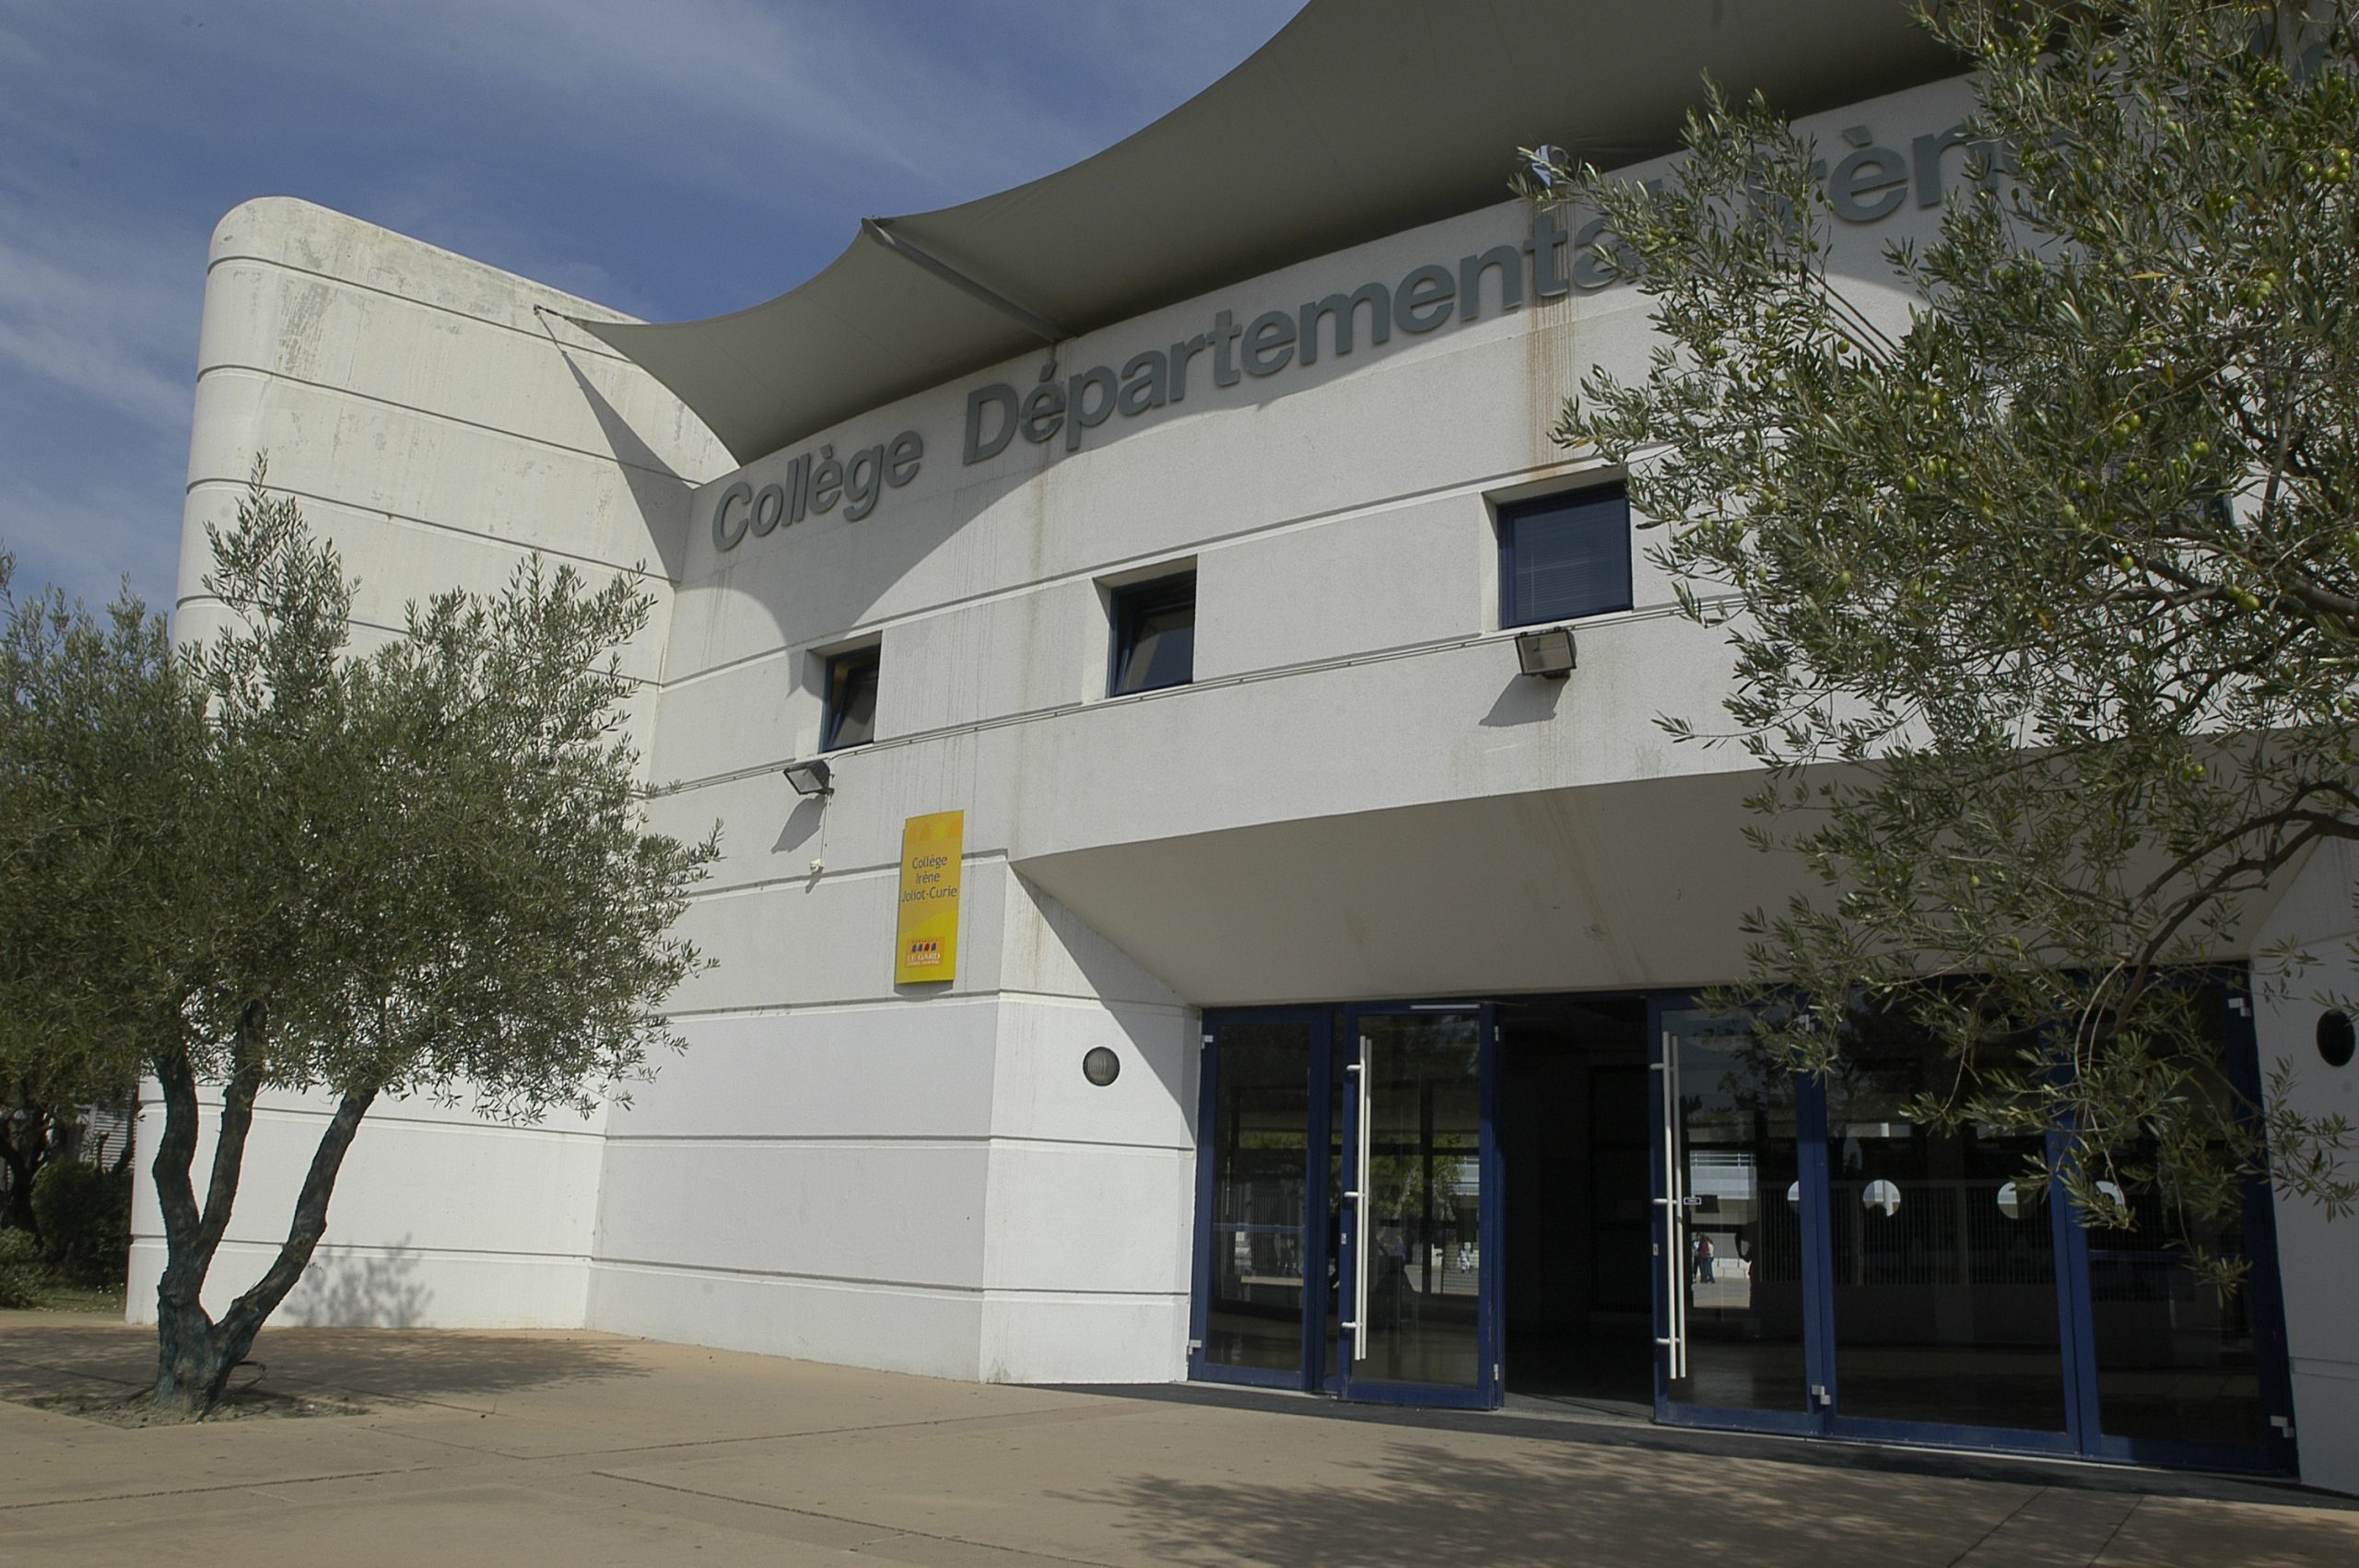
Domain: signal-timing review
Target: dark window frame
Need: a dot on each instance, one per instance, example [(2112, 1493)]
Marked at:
[(842, 670), (1129, 606), (1511, 514)]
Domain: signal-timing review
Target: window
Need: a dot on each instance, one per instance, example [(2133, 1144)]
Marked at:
[(852, 700), (1565, 556), (1155, 635)]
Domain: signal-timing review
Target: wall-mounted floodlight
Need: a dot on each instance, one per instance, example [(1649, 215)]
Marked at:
[(1546, 158), (1546, 652), (809, 777)]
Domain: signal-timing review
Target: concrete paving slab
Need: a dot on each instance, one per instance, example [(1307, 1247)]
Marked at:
[(2168, 1532), (1179, 1484), (2053, 1527), (582, 1449), (47, 1458), (457, 1522)]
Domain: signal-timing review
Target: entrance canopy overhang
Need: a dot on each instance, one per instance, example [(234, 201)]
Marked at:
[(1630, 887), (1637, 885), (1361, 117)]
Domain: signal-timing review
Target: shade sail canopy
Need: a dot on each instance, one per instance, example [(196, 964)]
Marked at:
[(1360, 119)]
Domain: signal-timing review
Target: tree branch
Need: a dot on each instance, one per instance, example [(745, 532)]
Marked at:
[(246, 1315)]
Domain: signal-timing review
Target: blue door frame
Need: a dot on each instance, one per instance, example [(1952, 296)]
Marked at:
[(1312, 1373), (1490, 1214), (1818, 1342), (2083, 1435), (1324, 1365)]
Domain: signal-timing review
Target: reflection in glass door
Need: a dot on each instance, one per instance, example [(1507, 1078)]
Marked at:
[(1828, 1264), (1261, 1254), (1419, 1305), (1733, 1305), (2179, 1370), (1942, 1283)]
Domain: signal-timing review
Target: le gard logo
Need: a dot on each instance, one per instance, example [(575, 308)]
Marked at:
[(924, 954), (1864, 183)]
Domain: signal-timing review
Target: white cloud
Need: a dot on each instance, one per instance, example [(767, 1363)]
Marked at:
[(87, 536), (535, 134), (943, 100), (94, 312), (98, 342)]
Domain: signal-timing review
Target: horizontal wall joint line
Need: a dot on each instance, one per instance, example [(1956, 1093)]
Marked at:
[(265, 373), (902, 1287), (948, 1142), (330, 1249), (849, 1004), (518, 546), (1091, 574), (593, 347), (885, 745), (178, 605)]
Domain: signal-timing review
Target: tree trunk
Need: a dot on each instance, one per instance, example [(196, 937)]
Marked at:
[(189, 1372), (195, 1355), (251, 1311), (24, 1148)]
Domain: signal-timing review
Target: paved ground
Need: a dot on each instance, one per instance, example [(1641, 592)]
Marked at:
[(584, 1449)]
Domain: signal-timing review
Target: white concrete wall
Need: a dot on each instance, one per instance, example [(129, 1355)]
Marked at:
[(2317, 1257), (1357, 797), (439, 1220), (439, 431)]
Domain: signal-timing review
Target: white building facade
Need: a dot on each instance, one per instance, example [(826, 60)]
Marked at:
[(1195, 589)]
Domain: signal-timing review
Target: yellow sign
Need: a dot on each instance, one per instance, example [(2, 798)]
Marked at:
[(926, 939)]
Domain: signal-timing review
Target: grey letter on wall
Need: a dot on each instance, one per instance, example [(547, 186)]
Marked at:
[(1338, 307), (998, 392), (724, 536), (1508, 260)]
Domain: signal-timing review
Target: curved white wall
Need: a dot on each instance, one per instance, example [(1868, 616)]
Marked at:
[(437, 430), (2317, 1257)]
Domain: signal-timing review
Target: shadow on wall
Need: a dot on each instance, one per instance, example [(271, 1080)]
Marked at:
[(352, 1290), (660, 493), (801, 826), (1524, 701), (1117, 978)]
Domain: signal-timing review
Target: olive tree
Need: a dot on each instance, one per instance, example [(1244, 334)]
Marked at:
[(424, 869), (97, 719), (2043, 601)]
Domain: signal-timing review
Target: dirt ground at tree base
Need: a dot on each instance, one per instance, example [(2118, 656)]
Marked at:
[(136, 1410), (577, 1449)]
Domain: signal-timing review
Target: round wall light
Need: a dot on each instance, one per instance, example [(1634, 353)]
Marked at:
[(2336, 1037), (1102, 1066)]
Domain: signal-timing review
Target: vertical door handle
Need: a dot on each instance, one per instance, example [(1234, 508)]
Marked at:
[(1360, 1184), (1676, 1260)]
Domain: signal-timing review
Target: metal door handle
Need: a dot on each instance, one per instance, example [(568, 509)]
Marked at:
[(1358, 1325), (1674, 1204)]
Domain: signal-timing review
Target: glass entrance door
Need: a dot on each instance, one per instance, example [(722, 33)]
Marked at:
[(1420, 1263), (1264, 1301), (1825, 1264), (1737, 1240)]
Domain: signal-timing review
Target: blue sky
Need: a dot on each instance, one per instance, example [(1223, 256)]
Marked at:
[(673, 158)]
